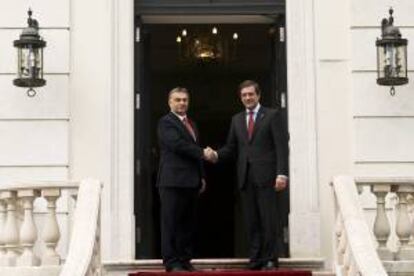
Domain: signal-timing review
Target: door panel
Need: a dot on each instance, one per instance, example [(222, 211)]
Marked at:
[(146, 212)]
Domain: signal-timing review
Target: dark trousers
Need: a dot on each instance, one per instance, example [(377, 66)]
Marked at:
[(178, 219), (260, 208)]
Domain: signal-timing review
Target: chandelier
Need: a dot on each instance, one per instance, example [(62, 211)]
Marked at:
[(206, 44)]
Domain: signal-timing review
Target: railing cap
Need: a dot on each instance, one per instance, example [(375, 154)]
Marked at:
[(388, 180), (39, 185)]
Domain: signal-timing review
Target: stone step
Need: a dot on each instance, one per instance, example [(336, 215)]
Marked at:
[(323, 273), (122, 268)]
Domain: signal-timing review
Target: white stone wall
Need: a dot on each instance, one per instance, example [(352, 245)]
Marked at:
[(34, 140), (34, 131), (81, 123), (383, 131), (383, 125), (360, 128)]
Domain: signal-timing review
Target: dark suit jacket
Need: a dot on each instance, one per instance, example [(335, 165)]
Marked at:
[(266, 152), (181, 163)]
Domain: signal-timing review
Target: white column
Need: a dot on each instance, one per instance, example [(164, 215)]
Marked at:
[(51, 233), (304, 186), (122, 106), (28, 230), (104, 106)]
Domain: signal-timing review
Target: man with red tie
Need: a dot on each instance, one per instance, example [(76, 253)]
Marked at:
[(180, 180), (259, 141)]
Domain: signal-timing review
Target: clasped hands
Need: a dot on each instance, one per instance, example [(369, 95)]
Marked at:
[(210, 155)]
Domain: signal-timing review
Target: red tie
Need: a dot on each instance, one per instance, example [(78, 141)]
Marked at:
[(189, 128), (250, 125)]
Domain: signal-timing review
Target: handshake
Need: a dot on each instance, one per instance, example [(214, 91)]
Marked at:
[(210, 155)]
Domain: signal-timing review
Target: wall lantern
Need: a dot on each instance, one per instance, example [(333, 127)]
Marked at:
[(391, 55), (30, 57)]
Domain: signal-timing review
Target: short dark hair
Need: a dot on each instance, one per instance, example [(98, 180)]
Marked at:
[(178, 89), (248, 83)]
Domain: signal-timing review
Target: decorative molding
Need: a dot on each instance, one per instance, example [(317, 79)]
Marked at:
[(209, 7)]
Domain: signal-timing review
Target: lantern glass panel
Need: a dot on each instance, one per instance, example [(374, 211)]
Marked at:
[(392, 61), (30, 63), (402, 61)]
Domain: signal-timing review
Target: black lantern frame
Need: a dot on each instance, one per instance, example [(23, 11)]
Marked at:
[(30, 57), (392, 69)]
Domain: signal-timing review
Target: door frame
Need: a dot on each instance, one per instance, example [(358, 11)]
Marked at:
[(142, 195), (118, 221)]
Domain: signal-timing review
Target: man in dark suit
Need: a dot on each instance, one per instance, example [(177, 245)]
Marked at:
[(180, 180), (258, 139)]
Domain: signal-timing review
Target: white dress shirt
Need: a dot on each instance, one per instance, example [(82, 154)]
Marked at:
[(255, 111)]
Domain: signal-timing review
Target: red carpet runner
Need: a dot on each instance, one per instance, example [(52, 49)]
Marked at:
[(280, 272)]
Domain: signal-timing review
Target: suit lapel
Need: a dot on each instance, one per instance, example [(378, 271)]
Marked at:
[(243, 126), (259, 119), (194, 128), (178, 122)]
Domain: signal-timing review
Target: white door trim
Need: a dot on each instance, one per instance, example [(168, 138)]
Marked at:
[(302, 126)]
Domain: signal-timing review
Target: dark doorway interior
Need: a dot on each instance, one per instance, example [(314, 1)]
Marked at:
[(214, 100)]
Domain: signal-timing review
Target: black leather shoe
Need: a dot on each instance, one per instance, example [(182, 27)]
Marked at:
[(269, 265), (189, 267), (255, 266), (176, 268)]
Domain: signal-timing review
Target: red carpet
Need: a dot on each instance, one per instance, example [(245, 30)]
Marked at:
[(280, 272)]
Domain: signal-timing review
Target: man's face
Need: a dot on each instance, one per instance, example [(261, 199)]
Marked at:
[(249, 97), (178, 103)]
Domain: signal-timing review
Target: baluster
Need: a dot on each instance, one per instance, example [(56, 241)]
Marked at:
[(11, 232), (28, 230), (381, 224), (2, 227), (403, 224), (410, 205), (74, 195), (51, 234)]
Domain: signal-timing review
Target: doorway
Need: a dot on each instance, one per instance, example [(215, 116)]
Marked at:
[(160, 66)]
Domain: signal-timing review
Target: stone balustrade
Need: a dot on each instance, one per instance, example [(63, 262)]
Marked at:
[(402, 191), (355, 252), (19, 232), (391, 232)]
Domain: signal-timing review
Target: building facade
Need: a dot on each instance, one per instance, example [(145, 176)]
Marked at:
[(81, 124)]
